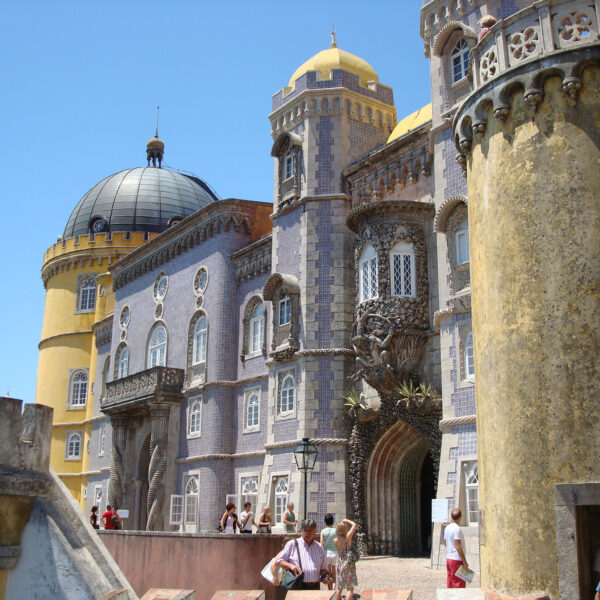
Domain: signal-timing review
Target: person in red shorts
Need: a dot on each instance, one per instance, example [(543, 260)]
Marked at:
[(107, 517), (455, 553)]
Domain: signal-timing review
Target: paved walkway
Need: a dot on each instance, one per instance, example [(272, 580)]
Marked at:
[(389, 573)]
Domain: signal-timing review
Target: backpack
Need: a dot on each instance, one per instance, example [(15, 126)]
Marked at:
[(114, 521)]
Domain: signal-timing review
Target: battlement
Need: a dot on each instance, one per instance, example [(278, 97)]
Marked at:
[(24, 446)]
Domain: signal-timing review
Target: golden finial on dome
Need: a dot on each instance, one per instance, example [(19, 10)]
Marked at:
[(155, 147), (333, 42)]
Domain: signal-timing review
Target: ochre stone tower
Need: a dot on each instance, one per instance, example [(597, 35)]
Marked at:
[(529, 136)]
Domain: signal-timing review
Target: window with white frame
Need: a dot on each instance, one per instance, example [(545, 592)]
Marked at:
[(191, 500), (123, 361), (472, 491), (286, 395), (469, 359), (98, 497), (252, 409), (200, 336), (402, 258), (461, 238), (281, 498), (176, 512), (78, 389), (194, 418), (157, 346), (87, 295), (460, 60), (257, 328), (102, 441), (285, 310), (367, 274), (73, 445), (290, 163), (249, 489)]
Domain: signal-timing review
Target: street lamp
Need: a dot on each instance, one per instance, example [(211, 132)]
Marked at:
[(305, 455)]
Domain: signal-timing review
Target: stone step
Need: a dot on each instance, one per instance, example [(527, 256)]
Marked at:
[(120, 594), (238, 595), (481, 594), (310, 595), (165, 594), (386, 595)]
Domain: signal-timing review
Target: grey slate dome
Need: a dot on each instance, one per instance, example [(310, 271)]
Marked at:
[(140, 199)]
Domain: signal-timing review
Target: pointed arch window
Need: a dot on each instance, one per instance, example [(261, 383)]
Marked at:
[(194, 418), (122, 361), (200, 338), (157, 347), (460, 60), (192, 489), (281, 496), (469, 358), (78, 389), (367, 274), (402, 267), (472, 488)]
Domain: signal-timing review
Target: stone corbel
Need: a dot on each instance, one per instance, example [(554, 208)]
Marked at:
[(571, 86)]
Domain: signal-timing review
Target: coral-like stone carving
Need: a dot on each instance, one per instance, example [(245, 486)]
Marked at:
[(158, 466)]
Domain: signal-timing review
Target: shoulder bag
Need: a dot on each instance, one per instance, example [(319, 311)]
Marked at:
[(291, 581)]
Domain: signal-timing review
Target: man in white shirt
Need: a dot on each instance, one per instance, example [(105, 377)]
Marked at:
[(455, 553), (246, 519)]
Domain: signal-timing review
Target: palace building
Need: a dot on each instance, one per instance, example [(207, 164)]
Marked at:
[(190, 342)]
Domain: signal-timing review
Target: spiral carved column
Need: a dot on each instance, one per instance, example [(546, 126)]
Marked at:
[(115, 484), (158, 466)]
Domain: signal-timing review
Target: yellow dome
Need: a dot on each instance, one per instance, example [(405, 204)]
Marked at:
[(416, 119), (155, 144), (334, 58)]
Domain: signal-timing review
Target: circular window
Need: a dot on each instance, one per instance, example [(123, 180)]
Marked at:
[(98, 225), (174, 221), (201, 280), (160, 287), (124, 318)]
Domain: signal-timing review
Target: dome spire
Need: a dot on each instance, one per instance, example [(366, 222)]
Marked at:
[(155, 148), (333, 42)]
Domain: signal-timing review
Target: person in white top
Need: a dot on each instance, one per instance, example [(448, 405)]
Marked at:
[(455, 553), (247, 519)]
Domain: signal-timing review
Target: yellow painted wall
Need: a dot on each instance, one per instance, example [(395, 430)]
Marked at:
[(534, 221)]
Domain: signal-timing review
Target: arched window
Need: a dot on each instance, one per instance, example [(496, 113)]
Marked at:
[(122, 362), (469, 359), (191, 500), (194, 418), (281, 495), (472, 487), (157, 347), (87, 294), (367, 274), (249, 490), (199, 351), (74, 445), (79, 386), (252, 408), (257, 328), (461, 237), (286, 395), (402, 267), (460, 60), (290, 163)]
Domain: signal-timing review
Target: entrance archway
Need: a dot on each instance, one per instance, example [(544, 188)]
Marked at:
[(400, 486)]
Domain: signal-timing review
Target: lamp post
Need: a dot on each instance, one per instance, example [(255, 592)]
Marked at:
[(305, 455)]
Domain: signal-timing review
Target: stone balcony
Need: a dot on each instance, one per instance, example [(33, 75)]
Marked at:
[(134, 392)]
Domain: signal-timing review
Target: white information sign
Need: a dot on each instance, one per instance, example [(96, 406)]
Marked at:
[(439, 510), (123, 513)]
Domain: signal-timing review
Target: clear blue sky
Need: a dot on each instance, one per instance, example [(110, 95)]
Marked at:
[(81, 81)]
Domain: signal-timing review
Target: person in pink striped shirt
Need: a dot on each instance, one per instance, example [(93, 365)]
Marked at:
[(311, 557)]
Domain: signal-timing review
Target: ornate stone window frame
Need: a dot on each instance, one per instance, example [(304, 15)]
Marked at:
[(90, 305), (118, 370), (245, 494), (248, 394), (403, 248), (69, 435), (196, 372), (154, 327), (160, 287), (200, 281), (247, 322), (274, 494), (284, 341), (366, 268), (283, 376), (287, 149), (194, 402), (459, 57), (74, 372)]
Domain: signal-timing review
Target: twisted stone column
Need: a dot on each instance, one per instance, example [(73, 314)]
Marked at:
[(158, 466), (117, 471)]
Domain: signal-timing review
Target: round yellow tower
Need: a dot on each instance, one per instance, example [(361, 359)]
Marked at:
[(113, 218), (528, 139)]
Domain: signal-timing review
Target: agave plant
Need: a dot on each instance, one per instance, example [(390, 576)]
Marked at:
[(354, 401), (413, 395), (408, 391)]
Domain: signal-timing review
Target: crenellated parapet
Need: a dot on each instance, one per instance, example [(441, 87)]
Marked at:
[(555, 38)]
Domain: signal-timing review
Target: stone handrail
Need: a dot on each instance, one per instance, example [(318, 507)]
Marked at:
[(543, 28)]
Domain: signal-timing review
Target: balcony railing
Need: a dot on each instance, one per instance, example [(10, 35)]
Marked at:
[(534, 32)]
